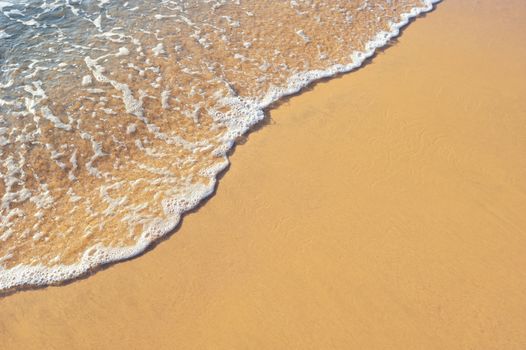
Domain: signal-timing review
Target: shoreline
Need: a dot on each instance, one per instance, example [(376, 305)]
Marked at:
[(297, 85)]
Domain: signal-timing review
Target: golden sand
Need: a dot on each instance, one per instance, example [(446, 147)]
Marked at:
[(385, 211)]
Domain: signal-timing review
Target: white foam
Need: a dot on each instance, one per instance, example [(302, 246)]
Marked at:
[(4, 35), (4, 4), (97, 22), (123, 52), (86, 80), (159, 49), (131, 128), (46, 112), (132, 105)]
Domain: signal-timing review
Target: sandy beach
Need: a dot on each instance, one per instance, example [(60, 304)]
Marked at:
[(382, 209)]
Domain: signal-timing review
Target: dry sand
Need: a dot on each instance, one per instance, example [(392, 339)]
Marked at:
[(381, 210)]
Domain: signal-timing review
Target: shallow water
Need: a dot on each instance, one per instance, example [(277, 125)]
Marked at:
[(116, 116)]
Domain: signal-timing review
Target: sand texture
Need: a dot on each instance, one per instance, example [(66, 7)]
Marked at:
[(380, 210)]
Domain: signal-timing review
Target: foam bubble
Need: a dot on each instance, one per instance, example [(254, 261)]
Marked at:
[(4, 4)]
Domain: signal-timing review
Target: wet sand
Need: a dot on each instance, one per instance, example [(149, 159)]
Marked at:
[(385, 211)]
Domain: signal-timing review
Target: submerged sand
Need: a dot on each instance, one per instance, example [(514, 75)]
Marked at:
[(381, 210)]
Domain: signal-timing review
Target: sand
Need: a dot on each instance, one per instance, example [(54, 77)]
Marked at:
[(380, 210)]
